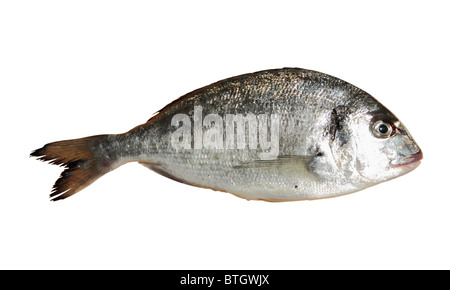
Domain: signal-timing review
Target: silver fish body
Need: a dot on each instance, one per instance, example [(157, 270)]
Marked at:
[(276, 135)]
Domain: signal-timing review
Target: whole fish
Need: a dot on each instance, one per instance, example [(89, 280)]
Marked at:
[(275, 135)]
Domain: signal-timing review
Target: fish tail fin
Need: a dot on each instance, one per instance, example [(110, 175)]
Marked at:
[(84, 161)]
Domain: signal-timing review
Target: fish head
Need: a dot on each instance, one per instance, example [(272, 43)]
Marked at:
[(377, 146)]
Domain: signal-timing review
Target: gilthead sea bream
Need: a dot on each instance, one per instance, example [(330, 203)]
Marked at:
[(275, 135)]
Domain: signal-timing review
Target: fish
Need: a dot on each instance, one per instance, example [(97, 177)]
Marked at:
[(282, 134)]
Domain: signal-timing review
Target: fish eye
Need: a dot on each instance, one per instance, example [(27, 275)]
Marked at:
[(382, 129)]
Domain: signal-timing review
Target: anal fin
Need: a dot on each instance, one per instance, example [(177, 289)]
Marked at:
[(160, 170)]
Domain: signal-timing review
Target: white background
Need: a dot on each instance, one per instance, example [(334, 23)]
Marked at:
[(71, 69)]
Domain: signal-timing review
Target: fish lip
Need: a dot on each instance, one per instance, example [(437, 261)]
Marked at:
[(411, 161)]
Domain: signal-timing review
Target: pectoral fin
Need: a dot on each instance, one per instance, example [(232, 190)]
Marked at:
[(287, 164)]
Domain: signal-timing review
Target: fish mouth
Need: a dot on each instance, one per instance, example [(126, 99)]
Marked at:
[(411, 161)]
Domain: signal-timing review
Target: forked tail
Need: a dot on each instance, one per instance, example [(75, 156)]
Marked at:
[(84, 160)]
